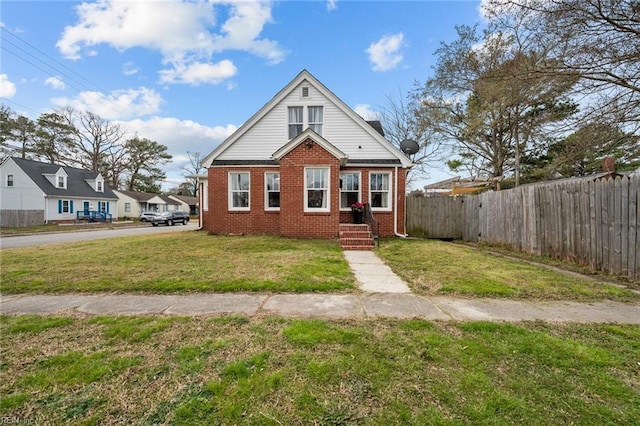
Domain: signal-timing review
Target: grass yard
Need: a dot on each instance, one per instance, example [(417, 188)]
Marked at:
[(436, 267), (181, 262), (235, 370), (189, 262)]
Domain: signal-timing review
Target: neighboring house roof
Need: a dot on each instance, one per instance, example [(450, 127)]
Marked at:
[(192, 201), (138, 196), (144, 197), (77, 185), (373, 130)]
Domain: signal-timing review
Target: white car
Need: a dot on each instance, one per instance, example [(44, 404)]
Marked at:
[(148, 216)]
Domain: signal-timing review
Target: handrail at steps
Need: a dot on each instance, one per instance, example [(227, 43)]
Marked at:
[(373, 224)]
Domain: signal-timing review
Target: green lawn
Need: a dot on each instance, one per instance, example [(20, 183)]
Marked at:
[(188, 262), (437, 267), (235, 370), (180, 262)]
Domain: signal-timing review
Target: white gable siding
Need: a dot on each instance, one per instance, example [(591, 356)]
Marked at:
[(271, 132), (24, 194)]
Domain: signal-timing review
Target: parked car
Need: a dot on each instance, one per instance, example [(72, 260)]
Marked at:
[(171, 218), (148, 216)]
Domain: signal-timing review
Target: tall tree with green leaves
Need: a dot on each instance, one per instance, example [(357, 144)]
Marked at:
[(144, 157), (54, 139)]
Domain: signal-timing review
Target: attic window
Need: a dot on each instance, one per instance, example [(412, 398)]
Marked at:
[(305, 92), (62, 182), (99, 186)]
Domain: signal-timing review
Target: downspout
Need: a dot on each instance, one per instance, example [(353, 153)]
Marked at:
[(200, 207), (395, 210)]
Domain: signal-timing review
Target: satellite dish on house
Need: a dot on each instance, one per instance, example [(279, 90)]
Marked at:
[(409, 146)]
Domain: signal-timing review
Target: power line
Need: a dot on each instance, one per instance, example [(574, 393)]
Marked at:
[(51, 59)]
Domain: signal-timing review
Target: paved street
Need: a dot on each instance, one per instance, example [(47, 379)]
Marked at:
[(88, 234)]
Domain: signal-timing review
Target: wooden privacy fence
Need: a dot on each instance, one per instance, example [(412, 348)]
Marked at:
[(590, 221), (21, 218)]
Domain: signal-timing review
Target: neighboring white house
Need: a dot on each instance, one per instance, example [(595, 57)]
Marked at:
[(33, 193), (133, 203), (187, 203)]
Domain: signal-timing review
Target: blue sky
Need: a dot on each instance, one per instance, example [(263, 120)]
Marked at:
[(187, 74)]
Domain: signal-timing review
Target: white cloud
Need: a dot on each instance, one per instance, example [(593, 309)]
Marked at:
[(129, 68), (179, 136), (7, 88), (385, 53), (332, 5), (119, 104), (55, 82), (365, 111), (198, 73), (183, 32)]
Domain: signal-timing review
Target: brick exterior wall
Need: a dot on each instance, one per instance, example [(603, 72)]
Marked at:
[(292, 220)]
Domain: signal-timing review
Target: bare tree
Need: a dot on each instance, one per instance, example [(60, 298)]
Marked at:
[(399, 123), (598, 40), (488, 101), (193, 168), (95, 138)]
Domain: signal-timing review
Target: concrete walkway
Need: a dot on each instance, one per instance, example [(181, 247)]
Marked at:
[(372, 274), (384, 294), (373, 305)]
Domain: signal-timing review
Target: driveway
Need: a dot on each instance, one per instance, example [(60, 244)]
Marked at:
[(67, 237)]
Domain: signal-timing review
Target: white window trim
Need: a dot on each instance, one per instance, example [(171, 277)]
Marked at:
[(359, 173), (64, 182), (100, 186), (13, 181), (305, 116), (390, 191), (266, 193), (306, 195), (68, 207), (230, 193)]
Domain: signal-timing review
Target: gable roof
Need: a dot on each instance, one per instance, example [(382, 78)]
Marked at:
[(369, 128), (185, 199), (138, 196), (147, 196), (77, 185), (304, 136)]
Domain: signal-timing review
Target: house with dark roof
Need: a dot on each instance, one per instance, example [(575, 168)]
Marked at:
[(133, 203), (32, 193), (297, 166), (187, 203)]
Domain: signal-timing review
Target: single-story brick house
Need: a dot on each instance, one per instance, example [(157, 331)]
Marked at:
[(298, 164)]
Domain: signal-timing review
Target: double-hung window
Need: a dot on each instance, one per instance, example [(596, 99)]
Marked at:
[(316, 194), (295, 121), (239, 191), (379, 190), (301, 117), (62, 182), (315, 118), (349, 189), (99, 186), (272, 189), (9, 180)]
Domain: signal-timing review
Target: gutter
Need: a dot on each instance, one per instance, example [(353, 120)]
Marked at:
[(395, 210)]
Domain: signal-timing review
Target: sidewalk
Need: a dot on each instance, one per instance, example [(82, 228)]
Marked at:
[(362, 306), (384, 294)]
